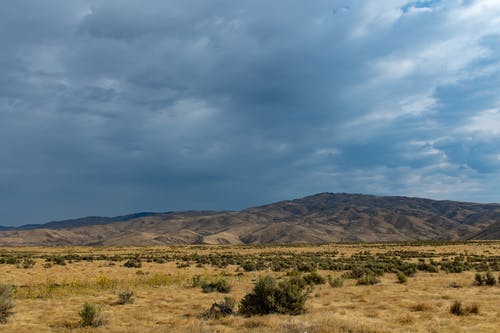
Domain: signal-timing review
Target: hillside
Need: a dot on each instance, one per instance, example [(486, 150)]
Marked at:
[(320, 218)]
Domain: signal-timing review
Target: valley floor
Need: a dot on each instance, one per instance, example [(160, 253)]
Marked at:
[(49, 295)]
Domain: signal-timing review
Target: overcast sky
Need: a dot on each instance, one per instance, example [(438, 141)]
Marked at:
[(111, 107)]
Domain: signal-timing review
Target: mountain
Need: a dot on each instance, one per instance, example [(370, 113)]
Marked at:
[(80, 222), (320, 218), (491, 232)]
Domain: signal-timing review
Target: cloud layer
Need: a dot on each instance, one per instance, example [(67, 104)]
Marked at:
[(108, 107)]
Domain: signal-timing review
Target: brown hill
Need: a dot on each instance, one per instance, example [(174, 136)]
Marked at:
[(491, 232), (320, 218)]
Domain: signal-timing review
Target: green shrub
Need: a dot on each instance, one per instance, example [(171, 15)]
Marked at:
[(490, 279), (222, 309), (6, 302), (27, 263), (368, 279), (314, 278), (197, 281), (478, 279), (408, 269), (337, 282), (402, 278), (487, 279), (287, 297), (90, 315), (59, 261), (221, 285), (459, 310), (249, 266), (306, 266), (126, 297), (427, 267), (133, 263)]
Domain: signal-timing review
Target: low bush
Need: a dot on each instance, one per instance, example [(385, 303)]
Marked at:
[(197, 281), (337, 282), (90, 315), (490, 279), (268, 296), (314, 278), (59, 261), (402, 278), (133, 263), (460, 310), (126, 297), (368, 279), (26, 263), (6, 302), (487, 279), (473, 309), (222, 309), (221, 285), (421, 307), (249, 266), (457, 309), (478, 279)]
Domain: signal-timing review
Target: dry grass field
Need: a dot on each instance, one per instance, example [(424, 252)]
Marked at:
[(49, 295)]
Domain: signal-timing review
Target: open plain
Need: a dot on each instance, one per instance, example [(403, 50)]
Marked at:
[(52, 284)]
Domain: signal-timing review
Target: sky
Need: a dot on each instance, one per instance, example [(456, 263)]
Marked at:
[(110, 107)]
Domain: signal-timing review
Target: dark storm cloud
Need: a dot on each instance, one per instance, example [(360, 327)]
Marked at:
[(109, 107)]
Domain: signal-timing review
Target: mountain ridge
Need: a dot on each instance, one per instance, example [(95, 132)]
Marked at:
[(319, 218)]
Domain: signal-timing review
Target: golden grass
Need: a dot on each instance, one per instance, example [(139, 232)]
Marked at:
[(48, 299)]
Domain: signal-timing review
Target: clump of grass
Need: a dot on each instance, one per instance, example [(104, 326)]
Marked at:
[(455, 284), (473, 309), (197, 281), (460, 310), (337, 282), (487, 279), (368, 279), (490, 279), (133, 263), (314, 278), (6, 302), (402, 278), (90, 315), (222, 309), (478, 279), (221, 285), (457, 309), (420, 307), (183, 265), (58, 260), (26, 263), (126, 297)]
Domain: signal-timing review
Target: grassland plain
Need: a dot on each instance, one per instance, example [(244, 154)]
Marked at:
[(52, 284)]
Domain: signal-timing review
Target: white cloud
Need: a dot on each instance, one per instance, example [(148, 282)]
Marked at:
[(486, 123), (375, 15)]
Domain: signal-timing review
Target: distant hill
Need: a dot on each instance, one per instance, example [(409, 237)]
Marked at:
[(320, 218), (491, 232), (82, 221)]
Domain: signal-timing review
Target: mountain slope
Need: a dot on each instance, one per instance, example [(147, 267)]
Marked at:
[(80, 222), (320, 218), (489, 233)]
